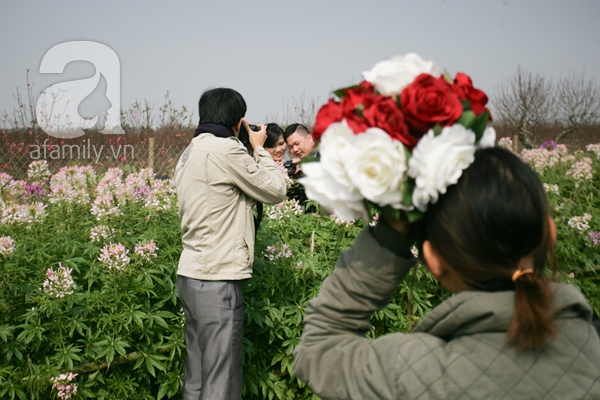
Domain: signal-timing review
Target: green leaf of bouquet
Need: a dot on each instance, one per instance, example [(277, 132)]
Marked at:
[(466, 104), (448, 78), (341, 92), (480, 124), (414, 215), (437, 130), (309, 159), (407, 154), (390, 212), (409, 187), (359, 110), (467, 119)]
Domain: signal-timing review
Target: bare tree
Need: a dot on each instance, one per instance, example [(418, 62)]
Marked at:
[(23, 117), (524, 102), (302, 109), (578, 104)]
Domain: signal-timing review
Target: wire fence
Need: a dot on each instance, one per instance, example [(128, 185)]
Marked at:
[(143, 148), (576, 141), (134, 151)]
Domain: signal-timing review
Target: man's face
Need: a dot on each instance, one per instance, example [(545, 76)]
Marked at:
[(300, 146)]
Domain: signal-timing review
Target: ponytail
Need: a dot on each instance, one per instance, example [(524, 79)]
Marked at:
[(531, 325), (533, 316)]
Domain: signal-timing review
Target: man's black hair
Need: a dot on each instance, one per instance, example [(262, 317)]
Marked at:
[(221, 106), (293, 128)]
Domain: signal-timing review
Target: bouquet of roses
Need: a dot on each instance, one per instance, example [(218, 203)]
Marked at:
[(397, 140)]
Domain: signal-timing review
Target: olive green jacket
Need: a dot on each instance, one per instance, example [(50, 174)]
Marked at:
[(456, 352), (218, 184)]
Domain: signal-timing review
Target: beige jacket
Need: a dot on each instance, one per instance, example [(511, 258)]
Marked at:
[(218, 184)]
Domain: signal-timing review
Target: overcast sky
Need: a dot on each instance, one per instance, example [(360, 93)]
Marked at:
[(272, 52)]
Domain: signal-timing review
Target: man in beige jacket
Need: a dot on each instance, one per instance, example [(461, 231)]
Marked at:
[(218, 184)]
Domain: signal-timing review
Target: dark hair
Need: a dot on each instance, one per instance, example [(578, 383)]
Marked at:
[(274, 131), (221, 106), (293, 128), (495, 217)]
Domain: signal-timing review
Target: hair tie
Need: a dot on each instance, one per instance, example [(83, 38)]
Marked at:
[(518, 273)]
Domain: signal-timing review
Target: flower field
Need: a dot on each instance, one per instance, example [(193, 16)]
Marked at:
[(88, 306)]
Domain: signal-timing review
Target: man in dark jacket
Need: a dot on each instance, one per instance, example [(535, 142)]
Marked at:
[(301, 145)]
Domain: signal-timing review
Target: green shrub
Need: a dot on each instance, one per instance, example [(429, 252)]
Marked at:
[(118, 325)]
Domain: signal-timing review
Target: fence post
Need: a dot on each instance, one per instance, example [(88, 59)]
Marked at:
[(516, 143), (151, 153)]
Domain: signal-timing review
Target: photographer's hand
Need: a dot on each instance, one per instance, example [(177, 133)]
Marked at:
[(296, 162), (257, 138)]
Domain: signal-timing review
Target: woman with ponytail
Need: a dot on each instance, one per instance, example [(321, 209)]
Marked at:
[(494, 232), (509, 332)]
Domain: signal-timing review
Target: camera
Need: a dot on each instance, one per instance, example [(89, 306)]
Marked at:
[(243, 135), (290, 167)]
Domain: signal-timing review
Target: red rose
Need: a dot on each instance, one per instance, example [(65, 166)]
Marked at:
[(385, 114), (355, 101), (463, 87), (357, 123), (356, 95), (428, 101), (327, 115)]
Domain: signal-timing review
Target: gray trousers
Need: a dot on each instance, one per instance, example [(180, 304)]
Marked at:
[(214, 321)]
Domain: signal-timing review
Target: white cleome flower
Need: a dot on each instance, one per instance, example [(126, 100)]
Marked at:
[(377, 167), (345, 201), (438, 162), (391, 76), (488, 139)]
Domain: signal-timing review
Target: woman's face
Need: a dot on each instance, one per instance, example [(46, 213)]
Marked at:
[(278, 150)]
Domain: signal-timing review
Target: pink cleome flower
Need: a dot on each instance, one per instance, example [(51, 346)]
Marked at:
[(114, 256)]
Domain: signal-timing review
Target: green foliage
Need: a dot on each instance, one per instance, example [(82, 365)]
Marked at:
[(122, 331), (281, 286), (570, 199), (111, 319)]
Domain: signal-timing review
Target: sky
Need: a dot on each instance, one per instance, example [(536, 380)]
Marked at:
[(276, 53)]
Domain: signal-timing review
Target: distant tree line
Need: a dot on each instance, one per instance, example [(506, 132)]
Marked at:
[(526, 106), (532, 109)]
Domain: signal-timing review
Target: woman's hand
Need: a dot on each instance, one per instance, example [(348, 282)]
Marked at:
[(401, 225)]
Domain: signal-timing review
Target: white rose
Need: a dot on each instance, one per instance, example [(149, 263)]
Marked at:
[(488, 139), (438, 161), (345, 201), (336, 144), (391, 76), (377, 167)]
